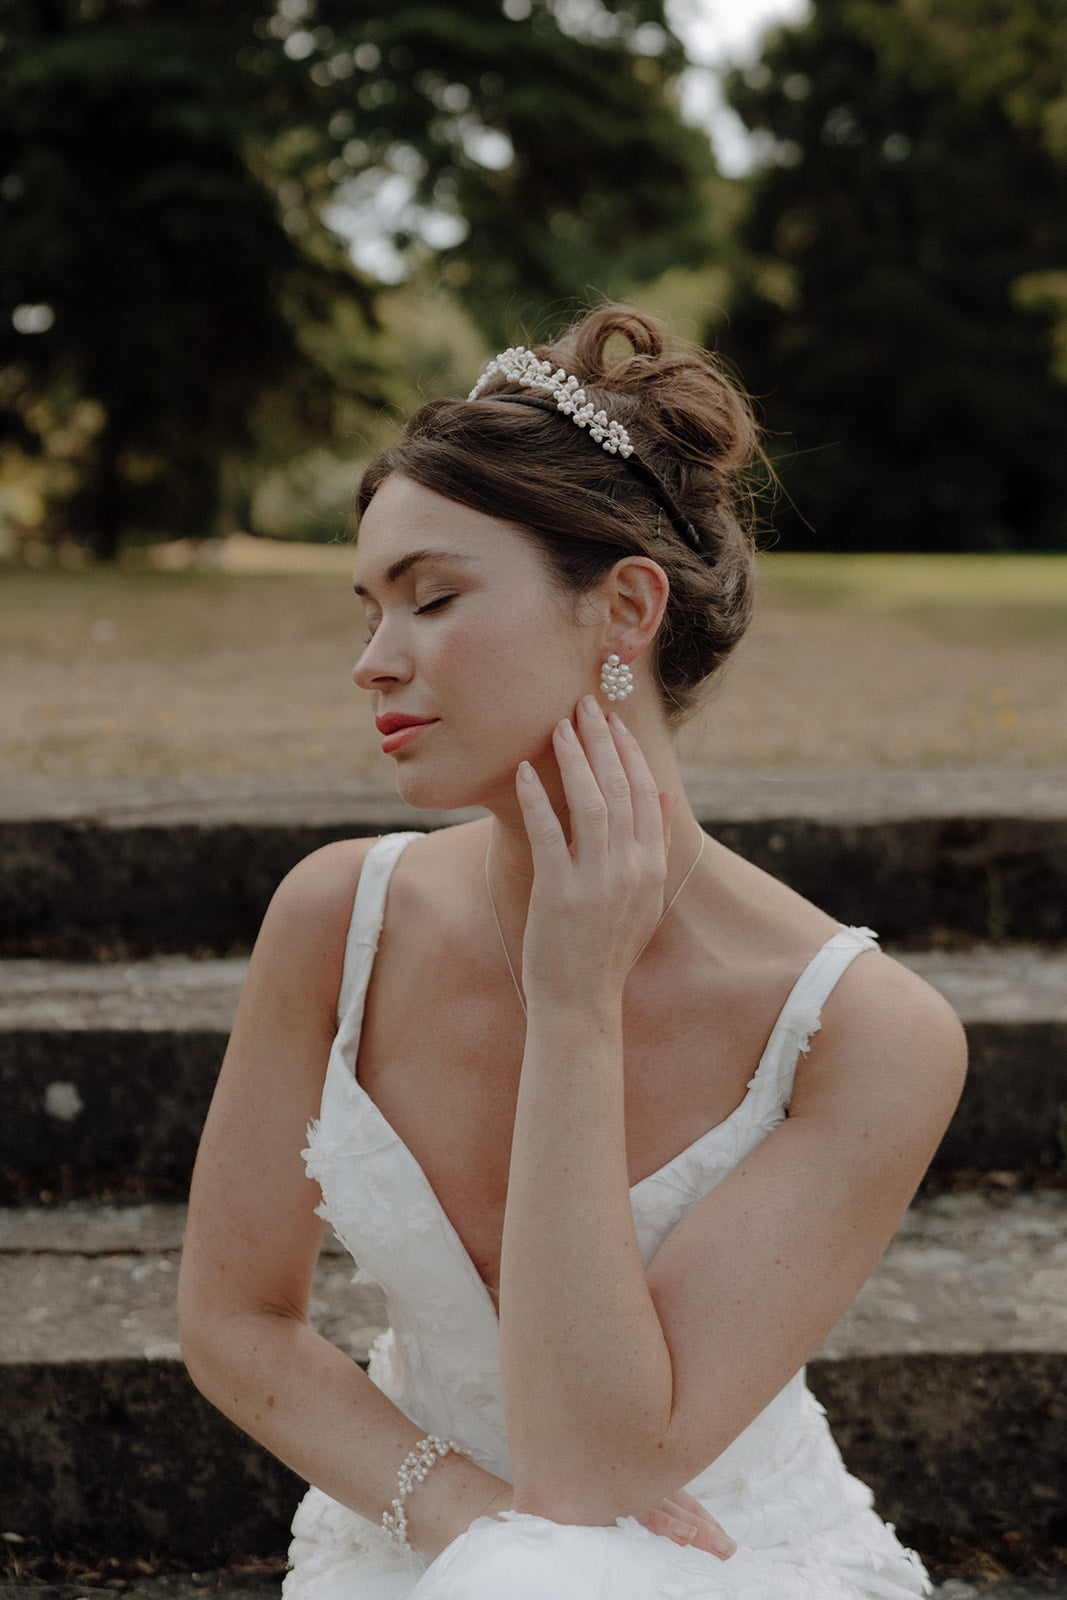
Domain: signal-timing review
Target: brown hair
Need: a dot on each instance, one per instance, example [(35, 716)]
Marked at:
[(583, 508)]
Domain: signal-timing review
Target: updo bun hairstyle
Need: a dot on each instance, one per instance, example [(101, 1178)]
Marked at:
[(583, 508)]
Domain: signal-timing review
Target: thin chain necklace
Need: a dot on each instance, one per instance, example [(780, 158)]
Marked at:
[(637, 957)]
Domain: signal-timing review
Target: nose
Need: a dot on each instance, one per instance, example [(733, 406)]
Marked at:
[(383, 661)]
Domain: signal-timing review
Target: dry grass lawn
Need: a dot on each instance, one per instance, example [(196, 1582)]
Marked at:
[(853, 662)]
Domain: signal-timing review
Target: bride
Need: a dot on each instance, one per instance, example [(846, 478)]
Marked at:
[(620, 1123)]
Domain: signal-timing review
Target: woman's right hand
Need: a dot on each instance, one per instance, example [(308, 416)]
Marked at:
[(597, 897), (685, 1521), (678, 1517)]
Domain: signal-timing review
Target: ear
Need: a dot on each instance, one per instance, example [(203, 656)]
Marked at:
[(635, 594)]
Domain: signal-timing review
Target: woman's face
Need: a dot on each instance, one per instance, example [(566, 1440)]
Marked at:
[(473, 655)]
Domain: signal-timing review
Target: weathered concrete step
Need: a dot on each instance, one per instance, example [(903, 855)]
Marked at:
[(967, 1272), (105, 1443), (98, 1282), (170, 865), (1013, 1004), (229, 1584), (945, 1383), (108, 1068)]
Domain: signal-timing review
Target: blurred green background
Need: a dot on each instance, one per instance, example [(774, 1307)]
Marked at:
[(238, 240)]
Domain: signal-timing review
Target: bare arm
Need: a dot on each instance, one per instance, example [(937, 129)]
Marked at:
[(619, 1384), (253, 1236)]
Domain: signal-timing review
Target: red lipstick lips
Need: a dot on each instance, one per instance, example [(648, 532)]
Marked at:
[(399, 729)]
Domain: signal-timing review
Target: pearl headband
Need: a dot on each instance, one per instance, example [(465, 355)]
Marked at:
[(521, 366)]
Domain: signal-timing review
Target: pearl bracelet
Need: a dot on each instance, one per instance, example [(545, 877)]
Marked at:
[(414, 1467)]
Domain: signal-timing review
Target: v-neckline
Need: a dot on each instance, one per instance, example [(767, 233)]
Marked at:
[(449, 1230), (367, 918)]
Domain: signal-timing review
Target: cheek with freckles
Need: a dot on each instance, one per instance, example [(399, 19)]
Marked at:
[(528, 676)]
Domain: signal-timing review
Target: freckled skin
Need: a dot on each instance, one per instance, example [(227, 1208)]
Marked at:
[(480, 626)]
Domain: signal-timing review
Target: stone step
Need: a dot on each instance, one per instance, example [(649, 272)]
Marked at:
[(946, 1383), (138, 866), (97, 1283), (106, 1069), (232, 1584), (106, 1443)]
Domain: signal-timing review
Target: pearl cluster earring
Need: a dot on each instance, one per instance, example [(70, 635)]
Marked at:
[(616, 679)]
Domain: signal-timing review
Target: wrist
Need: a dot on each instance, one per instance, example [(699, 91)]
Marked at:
[(410, 1474), (447, 1500), (503, 1500), (589, 1013), (584, 1039)]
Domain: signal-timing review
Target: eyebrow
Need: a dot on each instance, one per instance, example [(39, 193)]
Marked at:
[(416, 558)]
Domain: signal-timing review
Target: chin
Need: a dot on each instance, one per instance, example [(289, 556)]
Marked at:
[(429, 791), (437, 786)]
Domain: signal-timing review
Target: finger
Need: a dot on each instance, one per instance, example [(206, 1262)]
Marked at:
[(590, 817), (691, 1517), (543, 830), (607, 769), (678, 1529), (712, 1535), (650, 829), (682, 1512), (602, 751)]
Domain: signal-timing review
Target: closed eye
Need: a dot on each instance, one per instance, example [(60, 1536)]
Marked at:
[(434, 605)]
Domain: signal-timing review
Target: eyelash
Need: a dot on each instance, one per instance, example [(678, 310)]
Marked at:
[(431, 605)]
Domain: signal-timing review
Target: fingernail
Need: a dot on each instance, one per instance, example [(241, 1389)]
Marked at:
[(590, 707), (526, 772), (721, 1543), (565, 730), (682, 1530)]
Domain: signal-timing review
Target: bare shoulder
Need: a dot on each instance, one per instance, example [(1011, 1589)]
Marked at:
[(890, 1054), (427, 887), (301, 943), (883, 1030), (323, 884), (880, 1002)]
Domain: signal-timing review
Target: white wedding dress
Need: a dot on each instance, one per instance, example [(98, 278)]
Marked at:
[(805, 1529)]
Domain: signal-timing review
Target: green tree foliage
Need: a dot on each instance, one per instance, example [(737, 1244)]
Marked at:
[(180, 180), (133, 221), (549, 128), (1014, 54), (907, 231)]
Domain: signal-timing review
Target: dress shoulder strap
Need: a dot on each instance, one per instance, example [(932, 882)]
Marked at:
[(368, 914), (800, 1016)]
